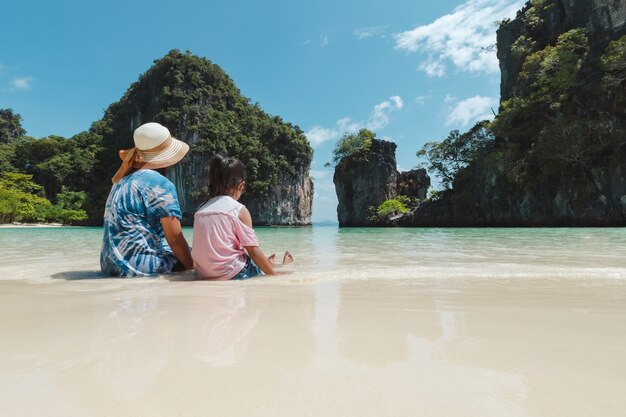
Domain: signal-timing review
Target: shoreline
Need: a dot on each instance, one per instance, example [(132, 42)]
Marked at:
[(18, 225)]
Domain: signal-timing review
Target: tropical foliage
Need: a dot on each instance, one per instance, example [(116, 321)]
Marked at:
[(353, 144), (566, 116), (21, 200), (457, 151), (402, 204), (192, 97), (195, 98), (10, 126)]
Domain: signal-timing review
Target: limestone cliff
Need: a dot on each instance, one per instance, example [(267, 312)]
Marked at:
[(559, 157), (201, 105), (367, 179), (288, 203), (541, 22)]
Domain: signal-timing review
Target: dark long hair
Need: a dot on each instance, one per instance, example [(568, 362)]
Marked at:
[(225, 174)]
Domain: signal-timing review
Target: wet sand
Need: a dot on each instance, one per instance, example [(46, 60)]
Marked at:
[(313, 347)]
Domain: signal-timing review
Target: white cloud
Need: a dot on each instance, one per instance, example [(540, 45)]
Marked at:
[(433, 68), (323, 186), (449, 98), (364, 33), (472, 110), (323, 179), (380, 115), (318, 135), (459, 37), (2, 67), (379, 118), (319, 174), (397, 101), (421, 100), (346, 124), (322, 41), (22, 83)]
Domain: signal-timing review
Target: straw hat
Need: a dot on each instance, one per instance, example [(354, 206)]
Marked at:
[(154, 148)]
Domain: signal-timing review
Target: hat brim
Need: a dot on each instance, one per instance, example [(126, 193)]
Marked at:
[(165, 157)]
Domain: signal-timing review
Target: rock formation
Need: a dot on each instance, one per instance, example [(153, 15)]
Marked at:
[(366, 180), (201, 105), (559, 158), (605, 19)]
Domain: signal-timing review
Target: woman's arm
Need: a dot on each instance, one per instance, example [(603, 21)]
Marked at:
[(175, 238)]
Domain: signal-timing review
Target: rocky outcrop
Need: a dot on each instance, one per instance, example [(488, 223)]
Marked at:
[(413, 183), (202, 106), (287, 204), (365, 180), (580, 201), (605, 19), (560, 160)]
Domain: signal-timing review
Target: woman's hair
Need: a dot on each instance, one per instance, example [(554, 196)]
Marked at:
[(225, 174)]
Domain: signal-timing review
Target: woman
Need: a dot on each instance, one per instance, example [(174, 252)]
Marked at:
[(142, 231)]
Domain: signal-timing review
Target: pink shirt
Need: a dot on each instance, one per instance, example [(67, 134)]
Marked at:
[(219, 238)]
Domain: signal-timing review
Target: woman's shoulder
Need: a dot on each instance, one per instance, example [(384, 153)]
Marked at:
[(148, 178)]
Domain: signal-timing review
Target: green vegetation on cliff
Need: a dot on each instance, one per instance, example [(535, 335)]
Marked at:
[(401, 204), (200, 104), (353, 144), (564, 123), (448, 158), (191, 96), (10, 126), (568, 120)]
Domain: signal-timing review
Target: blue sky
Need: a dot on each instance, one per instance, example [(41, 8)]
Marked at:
[(409, 70)]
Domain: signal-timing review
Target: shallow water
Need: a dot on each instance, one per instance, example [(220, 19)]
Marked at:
[(359, 253)]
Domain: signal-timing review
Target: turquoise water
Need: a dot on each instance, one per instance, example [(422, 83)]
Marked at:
[(325, 252)]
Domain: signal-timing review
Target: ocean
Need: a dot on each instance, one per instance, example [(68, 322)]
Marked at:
[(327, 252)]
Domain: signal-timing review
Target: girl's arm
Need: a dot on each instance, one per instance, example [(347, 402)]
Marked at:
[(260, 259), (255, 252), (245, 217)]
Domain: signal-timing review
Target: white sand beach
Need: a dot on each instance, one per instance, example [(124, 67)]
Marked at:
[(278, 347), (17, 225)]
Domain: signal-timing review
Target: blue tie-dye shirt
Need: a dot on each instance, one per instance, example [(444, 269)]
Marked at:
[(134, 242)]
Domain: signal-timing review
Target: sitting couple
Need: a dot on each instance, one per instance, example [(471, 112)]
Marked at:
[(142, 230)]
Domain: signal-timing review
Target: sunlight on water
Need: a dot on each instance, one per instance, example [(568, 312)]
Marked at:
[(358, 253)]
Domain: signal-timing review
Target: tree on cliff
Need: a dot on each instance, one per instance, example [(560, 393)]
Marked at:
[(558, 139), (201, 105), (353, 144), (197, 101), (568, 118), (10, 130), (448, 157), (10, 126)]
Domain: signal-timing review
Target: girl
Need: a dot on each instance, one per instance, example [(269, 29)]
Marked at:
[(224, 243)]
